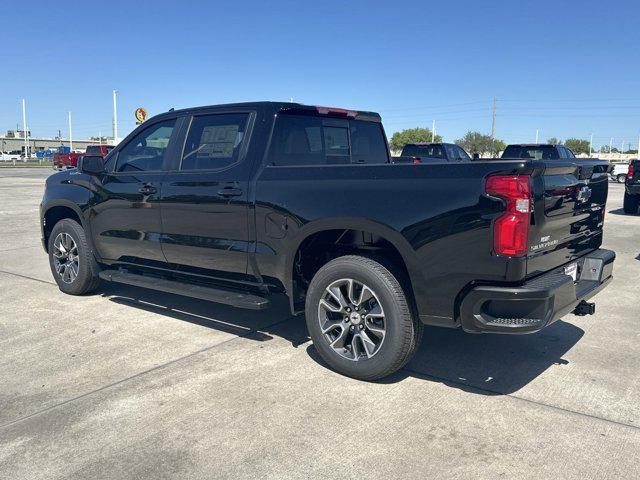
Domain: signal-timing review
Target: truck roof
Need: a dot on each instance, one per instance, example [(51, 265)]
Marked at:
[(288, 107)]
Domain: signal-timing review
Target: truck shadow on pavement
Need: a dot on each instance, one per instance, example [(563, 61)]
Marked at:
[(482, 364), (485, 364), (489, 364)]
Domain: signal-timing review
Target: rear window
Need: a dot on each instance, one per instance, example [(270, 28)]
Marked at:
[(542, 152), (92, 149), (308, 140), (431, 151)]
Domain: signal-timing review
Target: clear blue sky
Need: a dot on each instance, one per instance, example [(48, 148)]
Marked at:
[(567, 68)]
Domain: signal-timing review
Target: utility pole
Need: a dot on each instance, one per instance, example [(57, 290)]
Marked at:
[(70, 135), (590, 144), (610, 144), (638, 147), (493, 120), (24, 126), (536, 135), (115, 118), (622, 147), (433, 131)]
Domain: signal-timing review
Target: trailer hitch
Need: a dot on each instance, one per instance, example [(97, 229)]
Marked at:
[(585, 308)]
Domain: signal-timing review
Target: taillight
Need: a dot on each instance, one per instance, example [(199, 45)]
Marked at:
[(511, 229), (415, 160), (630, 171)]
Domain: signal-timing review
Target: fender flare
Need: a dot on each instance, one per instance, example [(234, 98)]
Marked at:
[(78, 211), (394, 237)]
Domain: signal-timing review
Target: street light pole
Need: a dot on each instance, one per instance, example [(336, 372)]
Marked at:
[(24, 126), (115, 117), (70, 135)]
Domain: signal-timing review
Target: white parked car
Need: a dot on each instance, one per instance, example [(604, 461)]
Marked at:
[(8, 157), (619, 172)]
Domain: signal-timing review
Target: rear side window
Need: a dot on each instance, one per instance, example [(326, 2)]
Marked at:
[(214, 141), (308, 140)]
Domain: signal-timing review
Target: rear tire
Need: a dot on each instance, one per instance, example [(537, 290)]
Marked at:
[(72, 263), (366, 328), (631, 203), (621, 178)]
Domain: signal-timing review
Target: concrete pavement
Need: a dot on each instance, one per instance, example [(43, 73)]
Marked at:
[(130, 383)]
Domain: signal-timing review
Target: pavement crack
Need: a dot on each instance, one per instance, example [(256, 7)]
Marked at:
[(515, 397), (27, 277), (142, 373)]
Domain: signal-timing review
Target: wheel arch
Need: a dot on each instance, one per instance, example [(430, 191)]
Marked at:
[(389, 244), (58, 210)]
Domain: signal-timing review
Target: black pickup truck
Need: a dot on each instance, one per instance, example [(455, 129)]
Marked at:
[(233, 203)]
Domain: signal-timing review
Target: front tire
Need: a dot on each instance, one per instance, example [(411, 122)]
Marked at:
[(621, 178), (72, 263), (360, 318), (631, 203)]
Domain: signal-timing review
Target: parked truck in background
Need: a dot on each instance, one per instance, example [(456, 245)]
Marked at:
[(538, 151), (232, 203), (67, 159), (431, 152), (632, 188)]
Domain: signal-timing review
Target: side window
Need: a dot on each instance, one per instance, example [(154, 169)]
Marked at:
[(462, 154), (563, 152), (214, 141), (569, 153), (145, 152), (367, 142), (452, 153)]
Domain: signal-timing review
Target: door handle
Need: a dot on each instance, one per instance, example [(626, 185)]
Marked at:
[(148, 190), (230, 192)]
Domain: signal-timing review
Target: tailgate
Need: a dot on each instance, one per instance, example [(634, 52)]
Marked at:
[(569, 201)]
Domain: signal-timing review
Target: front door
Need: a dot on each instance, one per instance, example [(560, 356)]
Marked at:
[(204, 199), (126, 224)]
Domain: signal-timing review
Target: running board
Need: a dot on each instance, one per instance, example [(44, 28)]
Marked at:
[(217, 295)]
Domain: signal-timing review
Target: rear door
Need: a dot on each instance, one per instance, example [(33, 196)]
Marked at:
[(569, 202), (205, 198)]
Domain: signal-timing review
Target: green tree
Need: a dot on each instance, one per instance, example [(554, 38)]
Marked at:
[(411, 135), (553, 141), (476, 142), (577, 145)]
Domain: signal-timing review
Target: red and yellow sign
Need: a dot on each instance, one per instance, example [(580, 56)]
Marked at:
[(141, 114)]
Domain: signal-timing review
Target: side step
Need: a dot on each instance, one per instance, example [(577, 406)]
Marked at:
[(218, 295)]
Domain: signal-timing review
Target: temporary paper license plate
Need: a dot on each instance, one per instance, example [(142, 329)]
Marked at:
[(572, 271)]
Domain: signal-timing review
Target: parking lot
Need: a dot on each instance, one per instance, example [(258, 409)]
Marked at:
[(129, 383)]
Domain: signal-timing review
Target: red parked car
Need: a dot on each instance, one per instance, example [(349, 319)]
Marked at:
[(63, 160)]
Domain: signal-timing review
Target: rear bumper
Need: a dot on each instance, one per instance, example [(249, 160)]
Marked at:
[(539, 302)]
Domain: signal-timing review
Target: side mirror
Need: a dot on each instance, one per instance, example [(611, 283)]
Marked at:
[(476, 156), (91, 164)]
